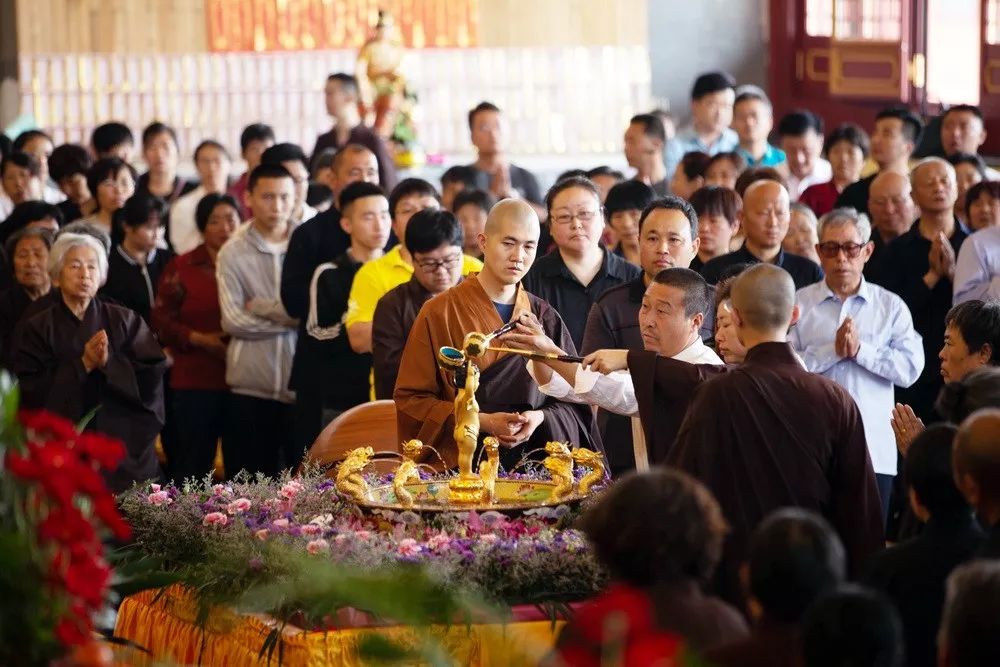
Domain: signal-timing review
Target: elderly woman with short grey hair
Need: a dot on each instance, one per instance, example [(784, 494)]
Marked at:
[(84, 355)]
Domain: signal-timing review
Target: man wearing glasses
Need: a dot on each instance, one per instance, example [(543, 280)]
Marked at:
[(858, 334), (435, 240)]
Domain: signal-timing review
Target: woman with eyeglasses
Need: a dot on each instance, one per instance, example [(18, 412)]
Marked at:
[(112, 182), (581, 268)]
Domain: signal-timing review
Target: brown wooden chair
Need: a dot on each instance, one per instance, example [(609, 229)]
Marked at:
[(366, 425)]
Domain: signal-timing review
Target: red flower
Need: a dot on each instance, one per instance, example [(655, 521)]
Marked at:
[(107, 452), (70, 633), (106, 510), (65, 525), (46, 424), (88, 581)]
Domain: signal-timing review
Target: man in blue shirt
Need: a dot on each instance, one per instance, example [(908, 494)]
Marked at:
[(753, 119), (712, 99), (858, 334)]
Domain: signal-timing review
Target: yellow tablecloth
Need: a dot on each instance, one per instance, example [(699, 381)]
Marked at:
[(166, 627)]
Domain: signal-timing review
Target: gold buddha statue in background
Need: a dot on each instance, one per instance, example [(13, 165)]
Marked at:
[(379, 73)]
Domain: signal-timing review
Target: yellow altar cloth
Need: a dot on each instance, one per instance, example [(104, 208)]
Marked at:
[(167, 628)]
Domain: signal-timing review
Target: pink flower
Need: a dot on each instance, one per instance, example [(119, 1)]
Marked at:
[(312, 529), (221, 490), (215, 519), (439, 542), (238, 506), (489, 538), (262, 534), (291, 489), (409, 547), (340, 537), (362, 534), (154, 488), (316, 546), (280, 523), (159, 498)]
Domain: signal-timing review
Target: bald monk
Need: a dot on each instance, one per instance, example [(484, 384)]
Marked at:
[(769, 434), (511, 406), (976, 459), (890, 205)]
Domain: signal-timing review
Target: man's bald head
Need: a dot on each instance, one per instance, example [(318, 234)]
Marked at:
[(890, 202), (509, 241), (977, 454), (765, 216), (763, 297), (889, 182), (764, 190), (511, 211)]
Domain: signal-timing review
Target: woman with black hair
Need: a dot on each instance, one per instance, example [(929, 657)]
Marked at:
[(660, 536), (188, 321), (135, 263)]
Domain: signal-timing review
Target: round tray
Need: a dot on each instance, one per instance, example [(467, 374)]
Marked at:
[(512, 496)]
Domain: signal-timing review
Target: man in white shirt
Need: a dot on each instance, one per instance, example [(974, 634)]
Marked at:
[(977, 271), (801, 137), (670, 317), (213, 163)]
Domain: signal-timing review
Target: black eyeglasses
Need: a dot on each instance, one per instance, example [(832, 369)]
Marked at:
[(831, 249), (432, 266)]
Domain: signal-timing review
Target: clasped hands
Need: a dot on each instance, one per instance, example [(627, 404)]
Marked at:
[(941, 260), (96, 351), (847, 343)]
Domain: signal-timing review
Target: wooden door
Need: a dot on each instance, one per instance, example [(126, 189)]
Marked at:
[(843, 59), (989, 81)]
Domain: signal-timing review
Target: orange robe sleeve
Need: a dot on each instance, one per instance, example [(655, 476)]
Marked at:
[(424, 400)]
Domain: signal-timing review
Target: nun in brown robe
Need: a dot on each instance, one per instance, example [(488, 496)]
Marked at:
[(425, 394), (83, 355)]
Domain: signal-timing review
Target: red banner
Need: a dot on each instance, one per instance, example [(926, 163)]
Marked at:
[(294, 25)]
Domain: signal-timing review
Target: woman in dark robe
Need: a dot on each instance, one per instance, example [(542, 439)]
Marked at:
[(28, 250), (83, 356)]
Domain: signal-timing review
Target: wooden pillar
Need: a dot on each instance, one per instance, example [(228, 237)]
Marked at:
[(9, 96)]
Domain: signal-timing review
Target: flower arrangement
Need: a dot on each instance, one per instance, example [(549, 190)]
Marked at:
[(54, 512), (229, 538)]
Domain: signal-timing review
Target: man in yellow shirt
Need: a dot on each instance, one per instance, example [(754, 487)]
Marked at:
[(376, 278)]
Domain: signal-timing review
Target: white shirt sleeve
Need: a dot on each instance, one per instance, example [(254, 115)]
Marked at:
[(556, 387), (614, 392)]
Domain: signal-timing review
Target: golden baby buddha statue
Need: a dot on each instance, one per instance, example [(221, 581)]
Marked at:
[(471, 488)]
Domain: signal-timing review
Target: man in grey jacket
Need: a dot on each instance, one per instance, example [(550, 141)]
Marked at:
[(259, 359)]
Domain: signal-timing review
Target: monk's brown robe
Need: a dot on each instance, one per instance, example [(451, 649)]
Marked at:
[(425, 395), (127, 393), (769, 434)]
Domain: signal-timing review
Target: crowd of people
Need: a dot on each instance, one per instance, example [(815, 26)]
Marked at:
[(789, 348)]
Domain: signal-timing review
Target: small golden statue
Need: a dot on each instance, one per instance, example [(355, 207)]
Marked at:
[(407, 472), (379, 73), (349, 480), (559, 462), (594, 462), (489, 469), (467, 487)]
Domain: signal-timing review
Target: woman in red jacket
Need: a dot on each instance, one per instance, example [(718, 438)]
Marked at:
[(187, 318)]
